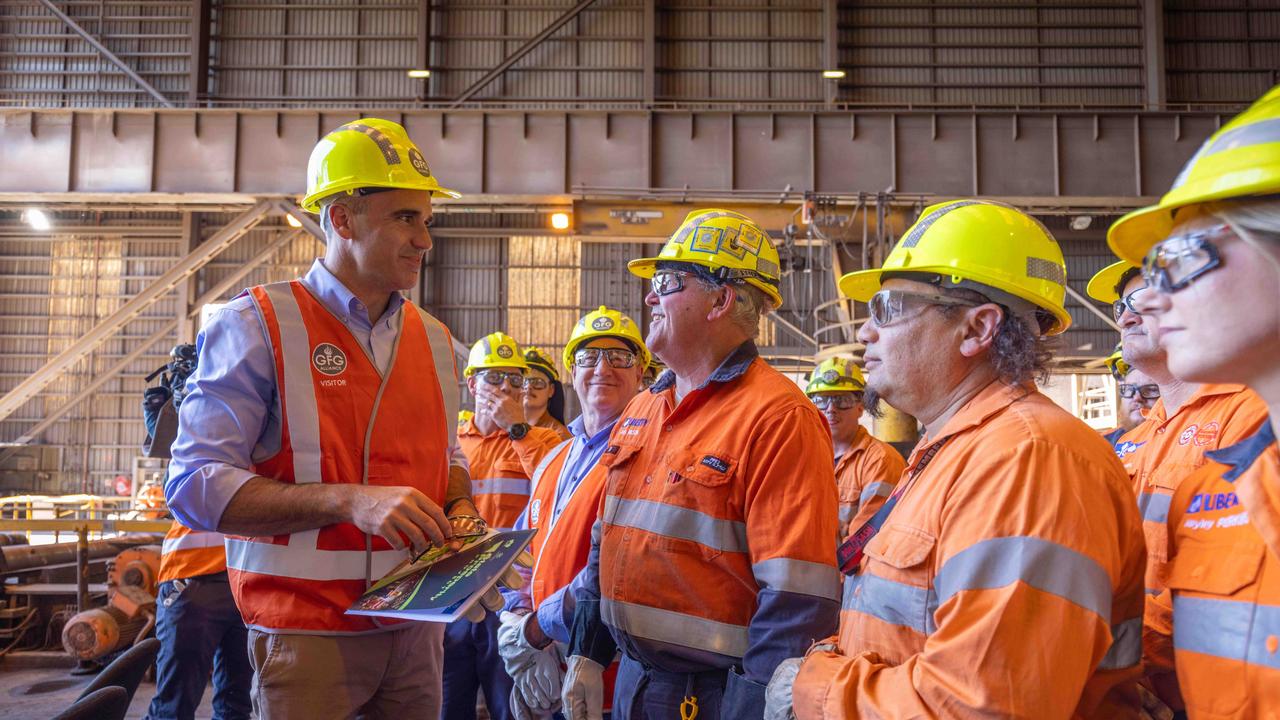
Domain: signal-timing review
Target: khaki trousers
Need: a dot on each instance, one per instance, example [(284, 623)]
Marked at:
[(393, 674)]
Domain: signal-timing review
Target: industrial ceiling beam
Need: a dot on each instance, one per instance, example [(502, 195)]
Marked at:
[(109, 326), (520, 52), (105, 53)]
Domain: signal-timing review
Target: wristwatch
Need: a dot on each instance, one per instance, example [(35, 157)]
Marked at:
[(517, 431)]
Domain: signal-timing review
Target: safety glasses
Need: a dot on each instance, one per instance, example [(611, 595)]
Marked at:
[(497, 377), (1179, 260), (1147, 392), (616, 357), (888, 306), (537, 383), (1129, 302), (843, 401), (667, 282)]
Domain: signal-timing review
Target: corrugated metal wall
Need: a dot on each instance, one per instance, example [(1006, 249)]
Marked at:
[(1221, 51)]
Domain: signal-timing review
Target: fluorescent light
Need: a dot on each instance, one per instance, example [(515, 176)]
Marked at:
[(833, 74), (37, 219), (419, 73), (560, 221), (293, 221)]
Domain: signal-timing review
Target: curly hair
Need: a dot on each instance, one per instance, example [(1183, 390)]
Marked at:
[(1019, 353)]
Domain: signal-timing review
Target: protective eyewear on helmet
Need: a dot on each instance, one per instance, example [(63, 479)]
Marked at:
[(1147, 392), (1129, 302), (496, 377), (1179, 260), (616, 357), (887, 306), (843, 401), (537, 383)]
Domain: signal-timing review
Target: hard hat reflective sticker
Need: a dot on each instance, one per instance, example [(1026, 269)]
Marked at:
[(602, 323), (705, 239), (830, 376), (504, 352), (1258, 133), (418, 162), (917, 232), (1042, 269), (329, 359), (383, 142)]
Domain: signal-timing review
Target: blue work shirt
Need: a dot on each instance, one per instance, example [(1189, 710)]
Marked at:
[(555, 614), (231, 416)]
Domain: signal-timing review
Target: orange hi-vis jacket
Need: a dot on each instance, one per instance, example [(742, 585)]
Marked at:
[(717, 535), (499, 475), (865, 475), (1218, 620), (569, 537), (551, 423), (1162, 451), (190, 553), (1006, 582), (343, 422)]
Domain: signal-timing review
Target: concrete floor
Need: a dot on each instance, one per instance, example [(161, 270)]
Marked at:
[(39, 694)]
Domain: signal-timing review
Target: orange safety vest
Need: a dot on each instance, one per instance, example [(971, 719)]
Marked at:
[(499, 474), (342, 422), (188, 553), (865, 475)]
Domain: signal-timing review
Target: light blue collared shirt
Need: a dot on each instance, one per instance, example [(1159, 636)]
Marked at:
[(555, 614), (230, 418)]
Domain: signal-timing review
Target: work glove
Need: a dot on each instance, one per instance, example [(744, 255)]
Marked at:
[(583, 693), (520, 710), (536, 673), (491, 600), (777, 695)]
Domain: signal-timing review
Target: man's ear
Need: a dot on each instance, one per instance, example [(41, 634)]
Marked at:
[(724, 299), (978, 328), (341, 218)]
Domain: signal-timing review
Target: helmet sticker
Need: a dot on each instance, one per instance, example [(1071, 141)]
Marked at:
[(830, 376), (504, 352), (384, 143), (418, 162), (602, 323)]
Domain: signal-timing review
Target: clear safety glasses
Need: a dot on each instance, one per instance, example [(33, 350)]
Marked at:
[(497, 377), (1179, 260), (667, 282), (537, 383), (1129, 302), (843, 401), (888, 306), (616, 357), (1146, 392)]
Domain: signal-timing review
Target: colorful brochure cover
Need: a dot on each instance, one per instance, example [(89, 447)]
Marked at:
[(441, 585)]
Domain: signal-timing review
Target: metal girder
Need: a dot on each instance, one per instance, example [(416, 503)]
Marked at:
[(1118, 158), (109, 326), (521, 51), (105, 53), (1088, 305), (1153, 64)]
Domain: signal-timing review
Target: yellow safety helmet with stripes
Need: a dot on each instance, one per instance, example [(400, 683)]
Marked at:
[(730, 245), (494, 350), (985, 243), (605, 322), (368, 153), (1116, 364), (1104, 286), (1240, 160), (836, 374), (538, 358)]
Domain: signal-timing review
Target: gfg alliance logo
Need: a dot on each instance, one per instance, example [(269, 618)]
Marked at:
[(329, 359)]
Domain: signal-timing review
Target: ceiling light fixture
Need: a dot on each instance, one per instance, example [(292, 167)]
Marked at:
[(37, 219), (560, 221)]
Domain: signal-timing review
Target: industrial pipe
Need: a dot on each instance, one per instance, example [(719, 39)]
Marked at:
[(28, 557)]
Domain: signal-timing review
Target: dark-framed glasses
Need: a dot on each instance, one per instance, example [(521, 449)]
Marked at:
[(497, 377), (667, 282), (537, 383), (1146, 392), (1129, 302), (1178, 261), (842, 401), (616, 357), (888, 306)]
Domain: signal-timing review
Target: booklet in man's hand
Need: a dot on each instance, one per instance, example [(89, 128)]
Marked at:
[(442, 585)]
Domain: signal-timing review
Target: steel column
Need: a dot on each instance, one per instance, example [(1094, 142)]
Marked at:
[(1153, 53), (29, 388), (201, 20)]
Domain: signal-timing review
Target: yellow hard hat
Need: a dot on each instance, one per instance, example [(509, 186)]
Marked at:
[(1116, 364), (537, 357), (983, 242), (464, 416), (836, 374), (494, 350), (1240, 160), (369, 153), (730, 245), (1104, 286), (606, 323)]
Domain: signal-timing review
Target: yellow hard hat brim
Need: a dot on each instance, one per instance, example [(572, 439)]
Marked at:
[(646, 267), (643, 267), (860, 285), (1102, 286), (311, 203)]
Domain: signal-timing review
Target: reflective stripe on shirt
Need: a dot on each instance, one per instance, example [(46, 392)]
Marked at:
[(675, 628), (677, 522)]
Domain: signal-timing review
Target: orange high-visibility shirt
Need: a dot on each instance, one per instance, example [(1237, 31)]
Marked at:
[(1163, 450), (865, 475), (499, 475), (718, 529), (1218, 621), (190, 553), (551, 423), (1006, 582)]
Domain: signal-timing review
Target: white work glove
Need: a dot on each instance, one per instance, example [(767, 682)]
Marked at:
[(777, 695), (536, 672), (583, 693), (520, 710)]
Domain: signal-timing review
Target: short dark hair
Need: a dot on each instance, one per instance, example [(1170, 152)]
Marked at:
[(1125, 278)]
